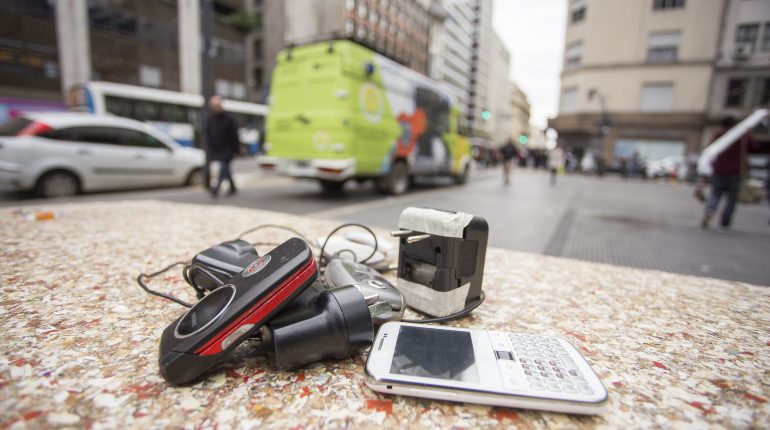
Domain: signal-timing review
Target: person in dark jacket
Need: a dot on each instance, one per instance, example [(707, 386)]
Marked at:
[(223, 143), (509, 152), (728, 167)]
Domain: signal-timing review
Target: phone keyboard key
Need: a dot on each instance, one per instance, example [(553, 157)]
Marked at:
[(546, 364)]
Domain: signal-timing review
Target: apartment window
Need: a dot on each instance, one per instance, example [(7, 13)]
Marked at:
[(657, 97), (362, 10), (764, 96), (222, 87), (766, 37), (237, 90), (663, 47), (225, 88), (577, 11), (667, 4), (736, 92), (349, 27), (574, 54), (569, 99), (746, 36), (149, 76), (258, 77)]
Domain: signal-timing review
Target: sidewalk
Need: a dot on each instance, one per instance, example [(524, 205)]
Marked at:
[(656, 226)]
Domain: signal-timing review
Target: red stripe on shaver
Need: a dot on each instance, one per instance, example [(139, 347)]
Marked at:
[(261, 308)]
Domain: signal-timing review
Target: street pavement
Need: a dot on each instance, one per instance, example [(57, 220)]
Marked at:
[(643, 224)]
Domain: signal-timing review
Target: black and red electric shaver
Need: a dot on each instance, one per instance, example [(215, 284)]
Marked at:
[(230, 314)]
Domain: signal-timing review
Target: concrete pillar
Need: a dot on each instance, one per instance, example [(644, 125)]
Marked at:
[(73, 43), (189, 14)]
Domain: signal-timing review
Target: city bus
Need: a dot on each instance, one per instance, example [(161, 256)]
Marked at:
[(174, 113), (340, 111)]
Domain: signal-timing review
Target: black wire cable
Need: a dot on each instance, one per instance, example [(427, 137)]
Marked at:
[(189, 271), (144, 286), (277, 226), (322, 258), (454, 316)]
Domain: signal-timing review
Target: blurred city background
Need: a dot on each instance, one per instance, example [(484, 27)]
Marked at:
[(575, 127)]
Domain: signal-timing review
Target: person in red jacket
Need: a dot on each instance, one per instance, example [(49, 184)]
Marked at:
[(726, 178)]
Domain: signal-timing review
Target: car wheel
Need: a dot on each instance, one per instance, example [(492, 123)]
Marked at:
[(58, 183), (462, 178), (195, 177), (396, 182)]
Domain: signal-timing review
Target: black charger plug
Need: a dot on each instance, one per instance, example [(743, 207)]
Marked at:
[(336, 323)]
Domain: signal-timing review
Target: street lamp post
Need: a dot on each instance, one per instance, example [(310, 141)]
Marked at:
[(206, 15), (603, 126)]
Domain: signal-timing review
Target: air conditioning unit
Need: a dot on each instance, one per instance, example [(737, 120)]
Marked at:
[(742, 52)]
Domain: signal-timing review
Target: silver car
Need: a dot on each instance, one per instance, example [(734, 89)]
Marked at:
[(61, 154)]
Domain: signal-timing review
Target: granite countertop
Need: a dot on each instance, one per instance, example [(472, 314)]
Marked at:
[(80, 338)]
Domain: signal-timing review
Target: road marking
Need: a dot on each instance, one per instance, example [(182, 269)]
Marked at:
[(555, 246)]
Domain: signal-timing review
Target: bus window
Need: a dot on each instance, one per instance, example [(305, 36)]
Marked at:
[(194, 117), (145, 111), (171, 113), (153, 111), (117, 106), (140, 110)]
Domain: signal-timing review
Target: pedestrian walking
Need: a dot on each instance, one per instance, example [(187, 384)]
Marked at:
[(555, 163), (223, 143), (509, 153), (726, 178), (767, 184)]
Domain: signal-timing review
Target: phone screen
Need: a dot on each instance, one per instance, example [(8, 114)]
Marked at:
[(433, 353)]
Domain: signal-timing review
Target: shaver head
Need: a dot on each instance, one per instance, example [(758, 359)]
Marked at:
[(213, 267)]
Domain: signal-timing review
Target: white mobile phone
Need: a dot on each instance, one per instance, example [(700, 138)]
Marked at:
[(479, 366)]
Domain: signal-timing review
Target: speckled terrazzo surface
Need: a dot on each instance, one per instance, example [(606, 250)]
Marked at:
[(80, 339)]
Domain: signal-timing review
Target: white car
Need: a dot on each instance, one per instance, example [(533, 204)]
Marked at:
[(60, 154), (669, 167)]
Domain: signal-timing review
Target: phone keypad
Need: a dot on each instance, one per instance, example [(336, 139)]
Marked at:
[(544, 363)]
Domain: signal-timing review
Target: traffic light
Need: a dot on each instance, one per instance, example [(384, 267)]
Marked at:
[(523, 139), (486, 114)]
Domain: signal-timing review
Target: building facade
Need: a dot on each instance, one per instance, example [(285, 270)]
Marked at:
[(47, 47), (520, 112), (481, 52), (451, 42), (50, 46), (398, 29), (741, 80), (636, 76), (497, 103)]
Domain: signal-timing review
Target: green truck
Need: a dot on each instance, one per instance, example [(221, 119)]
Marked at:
[(339, 111)]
